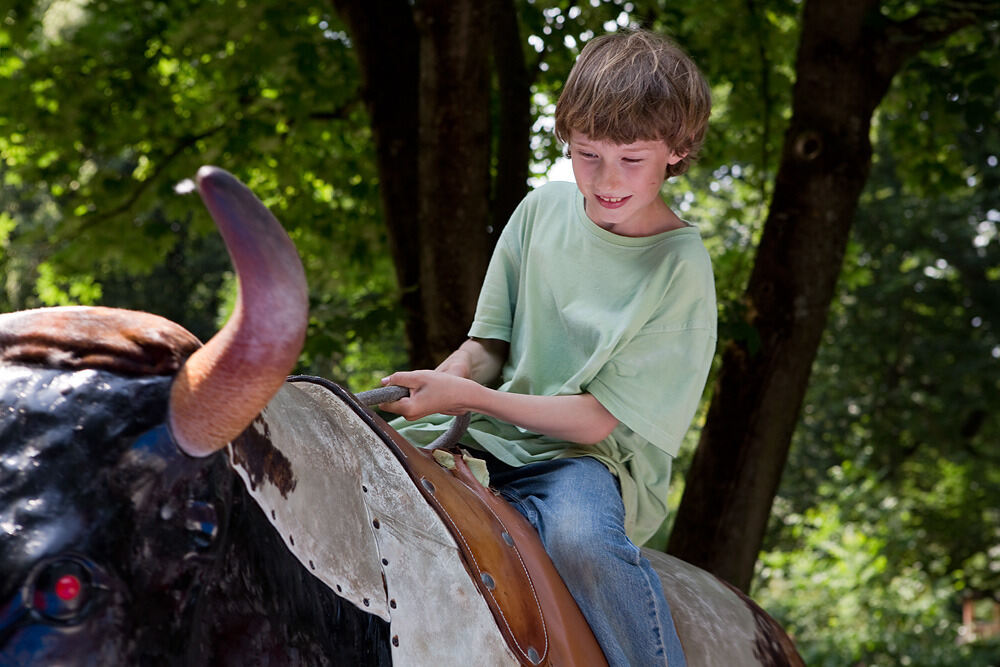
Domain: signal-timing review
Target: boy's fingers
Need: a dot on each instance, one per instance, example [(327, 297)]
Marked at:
[(401, 378)]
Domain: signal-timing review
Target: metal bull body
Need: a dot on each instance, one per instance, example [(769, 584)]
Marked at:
[(163, 502)]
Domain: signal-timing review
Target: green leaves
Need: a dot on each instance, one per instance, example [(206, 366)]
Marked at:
[(115, 102)]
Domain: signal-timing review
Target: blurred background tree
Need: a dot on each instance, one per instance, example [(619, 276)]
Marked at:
[(392, 138)]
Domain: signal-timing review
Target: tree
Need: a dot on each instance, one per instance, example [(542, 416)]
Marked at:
[(889, 492), (426, 87), (109, 105), (848, 57)]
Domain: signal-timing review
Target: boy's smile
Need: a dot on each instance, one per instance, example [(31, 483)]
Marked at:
[(621, 184)]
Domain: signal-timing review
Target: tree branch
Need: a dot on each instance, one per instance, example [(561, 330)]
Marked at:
[(339, 113), (514, 121), (765, 96), (904, 39), (182, 145)]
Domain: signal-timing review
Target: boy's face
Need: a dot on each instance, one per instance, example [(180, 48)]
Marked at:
[(621, 184)]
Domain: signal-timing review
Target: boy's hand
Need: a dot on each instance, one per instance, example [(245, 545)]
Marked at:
[(431, 392)]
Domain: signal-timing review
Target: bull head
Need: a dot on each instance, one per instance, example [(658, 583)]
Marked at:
[(107, 418)]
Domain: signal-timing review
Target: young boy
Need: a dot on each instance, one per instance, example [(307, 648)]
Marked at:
[(597, 319)]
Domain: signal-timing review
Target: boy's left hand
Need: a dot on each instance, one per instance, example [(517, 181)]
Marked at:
[(431, 392)]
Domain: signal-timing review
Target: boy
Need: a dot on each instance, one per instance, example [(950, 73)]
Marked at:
[(597, 319)]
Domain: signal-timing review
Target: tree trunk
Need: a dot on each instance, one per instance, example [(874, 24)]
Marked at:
[(385, 39), (847, 57), (453, 209), (426, 72), (514, 114)]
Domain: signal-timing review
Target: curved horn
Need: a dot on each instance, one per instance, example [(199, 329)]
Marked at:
[(226, 383)]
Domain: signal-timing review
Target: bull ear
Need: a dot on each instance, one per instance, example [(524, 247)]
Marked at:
[(226, 383)]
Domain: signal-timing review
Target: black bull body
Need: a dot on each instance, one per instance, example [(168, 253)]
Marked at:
[(163, 502)]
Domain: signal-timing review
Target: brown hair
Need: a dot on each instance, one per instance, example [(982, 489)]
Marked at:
[(636, 86)]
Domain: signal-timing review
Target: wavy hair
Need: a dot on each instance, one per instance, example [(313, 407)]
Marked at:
[(636, 86)]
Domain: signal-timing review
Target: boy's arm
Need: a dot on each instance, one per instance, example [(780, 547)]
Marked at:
[(479, 359), (580, 418)]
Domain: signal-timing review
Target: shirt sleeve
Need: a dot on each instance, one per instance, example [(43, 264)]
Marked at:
[(654, 385)]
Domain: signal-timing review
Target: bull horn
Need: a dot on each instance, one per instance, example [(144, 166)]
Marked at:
[(226, 383)]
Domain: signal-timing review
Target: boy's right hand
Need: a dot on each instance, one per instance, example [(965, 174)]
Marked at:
[(431, 392)]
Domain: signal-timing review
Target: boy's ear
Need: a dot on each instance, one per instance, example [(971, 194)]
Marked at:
[(676, 157)]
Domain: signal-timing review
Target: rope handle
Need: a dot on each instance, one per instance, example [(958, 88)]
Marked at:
[(394, 393)]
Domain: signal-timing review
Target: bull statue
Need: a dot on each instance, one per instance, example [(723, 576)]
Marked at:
[(164, 502)]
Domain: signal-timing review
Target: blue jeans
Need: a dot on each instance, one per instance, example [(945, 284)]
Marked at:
[(576, 507)]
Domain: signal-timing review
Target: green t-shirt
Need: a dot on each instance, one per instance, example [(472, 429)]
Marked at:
[(632, 321)]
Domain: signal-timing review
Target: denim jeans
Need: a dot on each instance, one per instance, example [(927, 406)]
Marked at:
[(576, 507)]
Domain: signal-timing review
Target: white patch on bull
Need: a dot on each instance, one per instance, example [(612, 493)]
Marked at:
[(312, 514), (356, 521), (65, 383), (408, 568)]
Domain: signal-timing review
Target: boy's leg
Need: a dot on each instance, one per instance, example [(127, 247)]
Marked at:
[(576, 507)]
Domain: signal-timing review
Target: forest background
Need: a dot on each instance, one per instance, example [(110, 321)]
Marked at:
[(845, 466)]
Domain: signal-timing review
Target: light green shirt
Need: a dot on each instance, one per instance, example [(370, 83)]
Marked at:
[(632, 321)]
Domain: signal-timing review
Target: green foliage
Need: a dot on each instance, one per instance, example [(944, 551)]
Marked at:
[(117, 101), (847, 601), (888, 509)]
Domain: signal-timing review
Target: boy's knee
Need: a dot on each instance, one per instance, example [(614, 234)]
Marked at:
[(572, 547), (585, 541)]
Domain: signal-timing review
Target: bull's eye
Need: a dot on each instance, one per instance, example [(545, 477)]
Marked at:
[(62, 588)]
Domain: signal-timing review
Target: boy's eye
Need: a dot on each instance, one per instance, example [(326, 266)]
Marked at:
[(632, 160)]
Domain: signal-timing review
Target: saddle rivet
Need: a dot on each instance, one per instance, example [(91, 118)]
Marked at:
[(392, 604), (488, 580), (395, 640), (311, 566), (385, 561), (533, 656), (364, 488), (273, 515), (366, 602), (507, 538), (376, 523), (339, 589), (427, 484), (291, 540)]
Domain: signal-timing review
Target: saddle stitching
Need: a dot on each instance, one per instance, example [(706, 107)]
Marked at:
[(531, 584), (479, 571)]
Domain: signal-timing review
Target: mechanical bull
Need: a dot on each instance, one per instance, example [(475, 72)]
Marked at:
[(163, 502)]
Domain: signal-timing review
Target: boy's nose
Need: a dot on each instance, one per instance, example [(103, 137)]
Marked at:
[(607, 177)]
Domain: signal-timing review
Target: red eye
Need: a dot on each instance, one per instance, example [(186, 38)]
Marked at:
[(62, 588), (68, 587)]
